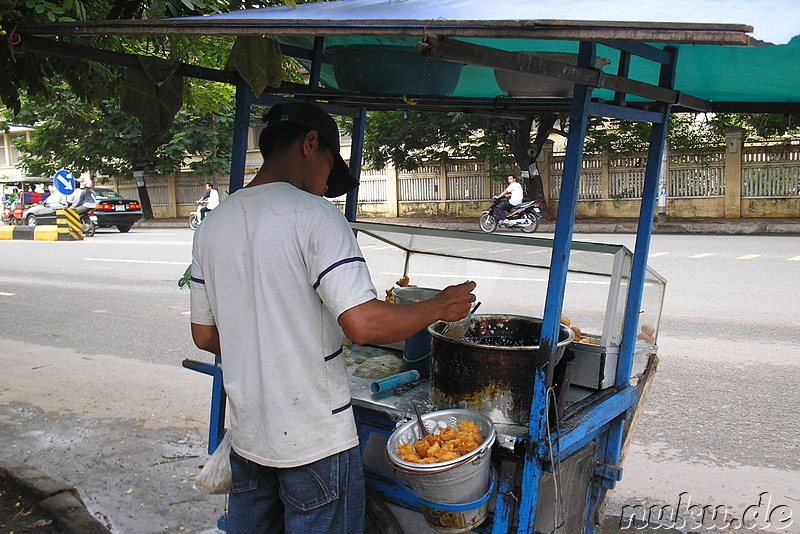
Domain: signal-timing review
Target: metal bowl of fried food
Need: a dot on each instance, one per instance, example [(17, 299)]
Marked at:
[(437, 422)]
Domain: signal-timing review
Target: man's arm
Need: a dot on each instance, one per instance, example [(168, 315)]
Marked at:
[(380, 322), (206, 337)]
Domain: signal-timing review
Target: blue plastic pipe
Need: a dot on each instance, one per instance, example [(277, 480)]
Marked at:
[(394, 381)]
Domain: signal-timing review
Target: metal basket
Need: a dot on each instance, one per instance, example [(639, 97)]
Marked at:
[(409, 432)]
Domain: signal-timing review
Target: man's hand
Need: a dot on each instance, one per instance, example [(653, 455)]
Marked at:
[(457, 301)]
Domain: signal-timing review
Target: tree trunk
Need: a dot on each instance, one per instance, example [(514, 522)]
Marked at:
[(144, 196), (525, 154)]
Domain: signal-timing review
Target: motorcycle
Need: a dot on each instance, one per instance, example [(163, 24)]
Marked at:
[(195, 218), (524, 217), (89, 223), (12, 214)]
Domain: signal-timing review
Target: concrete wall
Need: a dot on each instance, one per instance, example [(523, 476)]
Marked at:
[(728, 182)]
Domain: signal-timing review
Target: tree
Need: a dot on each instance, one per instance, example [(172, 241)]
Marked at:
[(686, 131), (36, 76), (100, 138), (406, 138)]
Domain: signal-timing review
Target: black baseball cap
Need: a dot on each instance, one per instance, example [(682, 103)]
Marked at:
[(340, 180)]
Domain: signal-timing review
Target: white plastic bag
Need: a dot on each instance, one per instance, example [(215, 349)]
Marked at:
[(215, 477)]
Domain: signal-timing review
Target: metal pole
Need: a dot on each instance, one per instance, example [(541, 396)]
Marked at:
[(658, 141), (356, 156), (559, 265), (241, 127)]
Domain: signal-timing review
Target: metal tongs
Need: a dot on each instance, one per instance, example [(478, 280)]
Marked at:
[(462, 325)]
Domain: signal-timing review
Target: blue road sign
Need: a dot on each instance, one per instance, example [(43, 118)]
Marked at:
[(64, 182)]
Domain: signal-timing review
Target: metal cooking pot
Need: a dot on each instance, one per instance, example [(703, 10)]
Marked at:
[(491, 369)]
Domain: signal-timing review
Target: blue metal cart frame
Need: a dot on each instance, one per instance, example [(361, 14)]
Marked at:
[(602, 420)]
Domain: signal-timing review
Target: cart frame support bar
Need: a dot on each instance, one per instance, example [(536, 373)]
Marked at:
[(585, 426)]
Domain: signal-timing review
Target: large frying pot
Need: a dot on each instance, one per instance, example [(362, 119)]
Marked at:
[(490, 369)]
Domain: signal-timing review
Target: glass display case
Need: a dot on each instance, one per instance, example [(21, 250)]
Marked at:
[(511, 272)]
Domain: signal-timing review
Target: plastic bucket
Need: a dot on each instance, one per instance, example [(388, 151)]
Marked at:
[(463, 480), (417, 348), (388, 69)]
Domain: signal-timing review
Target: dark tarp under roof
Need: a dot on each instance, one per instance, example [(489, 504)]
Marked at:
[(730, 74)]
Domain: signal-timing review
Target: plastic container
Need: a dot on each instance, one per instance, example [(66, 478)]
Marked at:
[(523, 84), (463, 480), (389, 69), (417, 349)]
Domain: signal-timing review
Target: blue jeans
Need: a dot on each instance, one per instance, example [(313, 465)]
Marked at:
[(324, 497), (506, 208)]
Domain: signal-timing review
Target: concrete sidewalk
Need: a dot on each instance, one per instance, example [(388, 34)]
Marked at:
[(62, 502), (762, 226)]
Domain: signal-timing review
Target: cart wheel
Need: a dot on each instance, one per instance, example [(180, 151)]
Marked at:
[(380, 514), (488, 223), (31, 220)]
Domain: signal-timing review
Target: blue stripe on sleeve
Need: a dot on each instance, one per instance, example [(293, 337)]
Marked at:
[(332, 356), (335, 265), (343, 408)]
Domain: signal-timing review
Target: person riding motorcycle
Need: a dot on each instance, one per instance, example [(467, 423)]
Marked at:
[(85, 200), (211, 198), (514, 192)]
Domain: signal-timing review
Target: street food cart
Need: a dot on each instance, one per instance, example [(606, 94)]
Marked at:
[(552, 467)]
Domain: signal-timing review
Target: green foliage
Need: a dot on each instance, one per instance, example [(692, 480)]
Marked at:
[(687, 131), (405, 138), (74, 134), (758, 126)]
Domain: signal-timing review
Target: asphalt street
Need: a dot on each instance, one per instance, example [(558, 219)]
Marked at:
[(92, 392)]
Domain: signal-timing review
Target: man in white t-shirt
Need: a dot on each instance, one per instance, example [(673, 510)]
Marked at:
[(514, 192), (277, 278), (211, 197)]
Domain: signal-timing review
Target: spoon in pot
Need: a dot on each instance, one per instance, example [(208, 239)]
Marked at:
[(463, 325), (419, 420)]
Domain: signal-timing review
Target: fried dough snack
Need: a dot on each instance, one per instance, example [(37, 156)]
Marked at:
[(448, 444), (403, 282), (579, 338), (648, 333)]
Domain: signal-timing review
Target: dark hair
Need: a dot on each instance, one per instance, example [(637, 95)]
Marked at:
[(278, 136), (210, 184)]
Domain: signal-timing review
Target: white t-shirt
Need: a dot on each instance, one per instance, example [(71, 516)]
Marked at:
[(515, 188), (273, 269), (213, 199)]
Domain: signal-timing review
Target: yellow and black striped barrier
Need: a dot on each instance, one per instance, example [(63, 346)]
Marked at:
[(68, 227)]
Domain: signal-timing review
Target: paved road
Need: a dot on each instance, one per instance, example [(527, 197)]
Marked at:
[(93, 333)]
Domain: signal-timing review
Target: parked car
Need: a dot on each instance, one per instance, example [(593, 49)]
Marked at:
[(112, 210), (115, 210), (45, 212)]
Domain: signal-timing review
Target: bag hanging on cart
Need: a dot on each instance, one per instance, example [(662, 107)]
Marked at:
[(215, 478)]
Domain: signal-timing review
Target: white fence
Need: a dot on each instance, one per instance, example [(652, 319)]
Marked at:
[(767, 172)]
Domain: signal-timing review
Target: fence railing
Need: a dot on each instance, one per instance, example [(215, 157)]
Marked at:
[(767, 172), (771, 171)]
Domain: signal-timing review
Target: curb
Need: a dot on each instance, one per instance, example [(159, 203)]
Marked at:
[(59, 500)]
